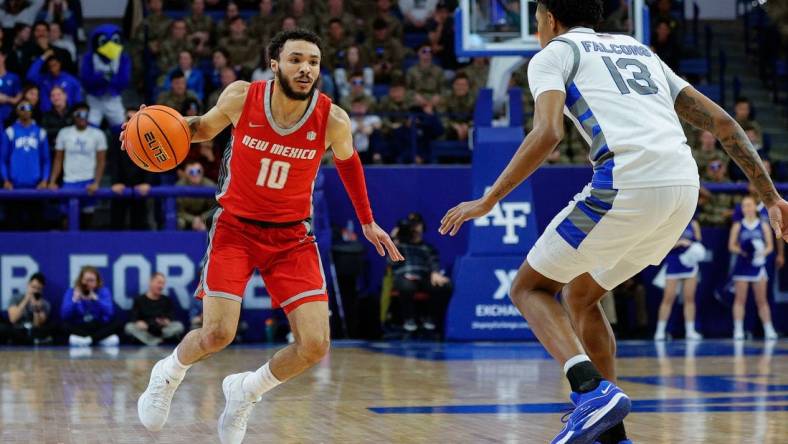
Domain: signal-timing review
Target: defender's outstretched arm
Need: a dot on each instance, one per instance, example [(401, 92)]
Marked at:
[(538, 144)]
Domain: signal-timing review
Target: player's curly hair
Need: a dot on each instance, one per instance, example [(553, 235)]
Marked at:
[(573, 13), (278, 42)]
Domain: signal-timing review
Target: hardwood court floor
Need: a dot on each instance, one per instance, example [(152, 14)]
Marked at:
[(711, 392)]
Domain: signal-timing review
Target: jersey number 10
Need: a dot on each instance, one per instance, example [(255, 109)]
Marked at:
[(641, 80), (273, 175)]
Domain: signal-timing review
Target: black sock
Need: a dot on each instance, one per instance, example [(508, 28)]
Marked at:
[(583, 377), (613, 435)]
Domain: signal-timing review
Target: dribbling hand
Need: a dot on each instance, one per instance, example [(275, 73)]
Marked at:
[(382, 242), (122, 136), (463, 212), (778, 218)]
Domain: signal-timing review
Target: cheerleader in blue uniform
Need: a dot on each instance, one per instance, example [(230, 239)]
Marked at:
[(751, 241), (682, 266)]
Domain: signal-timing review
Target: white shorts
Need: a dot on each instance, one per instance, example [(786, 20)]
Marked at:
[(613, 234), (109, 107)]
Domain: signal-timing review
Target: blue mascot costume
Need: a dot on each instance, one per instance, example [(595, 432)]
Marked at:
[(105, 73)]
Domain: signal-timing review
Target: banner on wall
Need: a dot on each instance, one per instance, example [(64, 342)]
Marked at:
[(510, 228), (125, 261), (480, 307)]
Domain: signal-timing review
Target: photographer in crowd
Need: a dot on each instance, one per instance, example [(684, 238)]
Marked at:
[(28, 316), (88, 313)]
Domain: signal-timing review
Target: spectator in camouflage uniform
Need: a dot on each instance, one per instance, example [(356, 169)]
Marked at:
[(288, 24), (177, 94), (335, 44), (384, 53), (353, 62), (716, 209), (336, 10), (425, 78), (200, 25), (200, 29), (148, 35), (457, 108), (263, 26), (306, 20), (708, 152), (384, 12), (223, 27), (477, 72), (243, 50), (743, 113), (357, 92), (399, 138), (155, 25), (170, 48), (192, 211)]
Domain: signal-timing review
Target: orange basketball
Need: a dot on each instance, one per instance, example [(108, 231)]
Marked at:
[(157, 138)]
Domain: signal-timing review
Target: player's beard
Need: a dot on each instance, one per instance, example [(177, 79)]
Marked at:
[(290, 93)]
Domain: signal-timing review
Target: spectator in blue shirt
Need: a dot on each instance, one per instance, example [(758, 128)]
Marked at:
[(87, 311), (195, 81), (24, 152), (10, 89), (54, 76), (24, 163)]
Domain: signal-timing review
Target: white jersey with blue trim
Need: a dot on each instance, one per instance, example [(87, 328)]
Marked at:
[(621, 97)]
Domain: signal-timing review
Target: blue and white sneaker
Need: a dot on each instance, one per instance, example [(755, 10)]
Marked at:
[(594, 413)]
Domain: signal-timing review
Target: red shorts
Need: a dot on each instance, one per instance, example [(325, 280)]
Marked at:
[(287, 258)]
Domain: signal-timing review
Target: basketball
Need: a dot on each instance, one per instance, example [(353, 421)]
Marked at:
[(157, 138)]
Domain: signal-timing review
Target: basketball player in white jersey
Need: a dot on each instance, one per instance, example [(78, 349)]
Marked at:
[(627, 103)]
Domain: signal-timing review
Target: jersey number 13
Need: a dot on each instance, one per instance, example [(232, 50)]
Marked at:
[(641, 79)]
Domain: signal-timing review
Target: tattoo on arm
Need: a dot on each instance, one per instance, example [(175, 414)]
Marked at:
[(507, 185), (704, 114), (194, 124)]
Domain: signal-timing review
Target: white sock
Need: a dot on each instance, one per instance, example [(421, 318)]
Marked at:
[(574, 361), (173, 366), (689, 326), (768, 328), (661, 325), (261, 381), (738, 326)]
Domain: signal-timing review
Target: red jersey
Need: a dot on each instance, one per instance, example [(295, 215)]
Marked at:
[(269, 172)]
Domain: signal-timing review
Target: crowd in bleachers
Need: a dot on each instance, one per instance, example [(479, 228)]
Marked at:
[(391, 64)]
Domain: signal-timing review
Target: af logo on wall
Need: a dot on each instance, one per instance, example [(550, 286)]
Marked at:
[(510, 216), (509, 228)]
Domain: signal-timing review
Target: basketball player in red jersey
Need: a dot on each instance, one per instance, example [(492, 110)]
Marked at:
[(281, 131)]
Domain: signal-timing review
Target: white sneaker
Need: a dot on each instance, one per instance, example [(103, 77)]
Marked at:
[(694, 336), (110, 341), (79, 341), (659, 336), (232, 423), (770, 336), (153, 407), (738, 336)]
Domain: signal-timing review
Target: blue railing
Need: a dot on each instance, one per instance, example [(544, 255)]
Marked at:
[(169, 194)]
